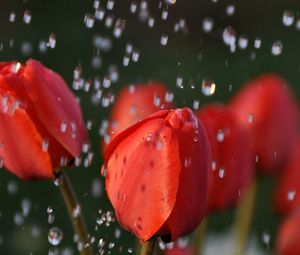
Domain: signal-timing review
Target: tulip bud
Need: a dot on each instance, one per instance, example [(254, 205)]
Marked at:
[(156, 174), (35, 104), (136, 102), (268, 109), (231, 169)]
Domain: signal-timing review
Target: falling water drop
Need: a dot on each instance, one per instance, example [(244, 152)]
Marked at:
[(55, 236)]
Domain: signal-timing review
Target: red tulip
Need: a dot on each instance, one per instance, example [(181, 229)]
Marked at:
[(179, 251), (40, 120), (232, 168), (268, 109), (287, 191), (157, 174), (135, 103), (288, 238)]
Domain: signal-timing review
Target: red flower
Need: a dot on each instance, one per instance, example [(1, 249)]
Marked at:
[(135, 103), (288, 238), (232, 168), (268, 109), (287, 191), (157, 174), (40, 120)]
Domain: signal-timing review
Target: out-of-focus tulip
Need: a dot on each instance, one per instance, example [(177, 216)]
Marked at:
[(268, 109), (232, 166), (136, 102), (156, 174), (287, 191), (288, 237), (41, 126)]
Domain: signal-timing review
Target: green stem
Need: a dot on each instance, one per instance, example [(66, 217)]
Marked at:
[(76, 218), (150, 247), (199, 239), (243, 218)]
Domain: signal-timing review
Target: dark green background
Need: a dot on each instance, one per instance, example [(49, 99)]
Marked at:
[(194, 56)]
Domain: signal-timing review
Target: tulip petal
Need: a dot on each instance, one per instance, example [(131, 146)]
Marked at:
[(194, 151), (55, 106), (142, 191), (21, 147)]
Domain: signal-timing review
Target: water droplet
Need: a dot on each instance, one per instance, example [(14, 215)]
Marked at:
[(164, 14), (208, 87), (257, 43), (250, 118), (230, 10), (135, 55), (89, 20), (288, 18), (12, 187), (151, 22), (164, 39), (229, 36), (109, 21), (179, 82), (291, 195), (52, 41), (55, 236), (96, 4), (276, 48), (18, 219), (119, 27), (207, 24), (243, 42), (169, 97), (27, 17), (104, 170), (76, 211), (51, 215), (12, 17), (26, 206), (133, 6), (63, 127), (187, 162), (99, 13), (220, 136), (43, 46), (110, 4), (126, 59), (45, 144), (196, 104), (26, 48), (266, 237), (213, 165), (221, 173)]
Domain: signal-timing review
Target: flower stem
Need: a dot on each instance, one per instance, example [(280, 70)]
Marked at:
[(243, 218), (199, 239), (150, 247), (72, 205)]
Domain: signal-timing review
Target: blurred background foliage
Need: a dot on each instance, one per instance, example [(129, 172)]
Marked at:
[(192, 54)]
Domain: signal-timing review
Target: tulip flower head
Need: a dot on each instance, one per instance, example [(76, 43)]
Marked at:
[(232, 168), (156, 174), (288, 237), (136, 102), (268, 109), (41, 126), (287, 191)]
